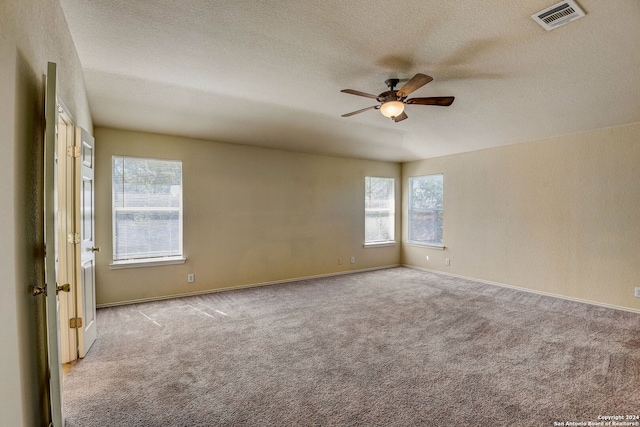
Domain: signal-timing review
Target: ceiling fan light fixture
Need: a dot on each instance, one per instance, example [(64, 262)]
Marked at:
[(392, 101), (392, 109)]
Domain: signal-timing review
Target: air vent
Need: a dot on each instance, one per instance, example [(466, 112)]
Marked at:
[(558, 14)]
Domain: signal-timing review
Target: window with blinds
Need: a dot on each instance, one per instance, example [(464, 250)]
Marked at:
[(147, 209)]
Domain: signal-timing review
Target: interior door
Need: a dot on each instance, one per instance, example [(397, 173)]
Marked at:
[(68, 250), (51, 247), (86, 292)]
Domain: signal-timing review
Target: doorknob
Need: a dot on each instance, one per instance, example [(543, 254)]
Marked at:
[(39, 290), (95, 249), (64, 288)]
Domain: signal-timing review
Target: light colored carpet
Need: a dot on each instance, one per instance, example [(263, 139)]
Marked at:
[(396, 347)]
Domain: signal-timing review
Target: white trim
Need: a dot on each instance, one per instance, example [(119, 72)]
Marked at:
[(531, 291), (146, 262), (249, 285), (380, 244), (426, 245)]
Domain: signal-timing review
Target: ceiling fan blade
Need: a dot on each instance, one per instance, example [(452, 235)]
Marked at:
[(444, 101), (416, 82), (360, 111), (400, 117), (357, 92)]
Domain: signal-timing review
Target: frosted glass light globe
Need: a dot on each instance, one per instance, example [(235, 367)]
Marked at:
[(392, 109)]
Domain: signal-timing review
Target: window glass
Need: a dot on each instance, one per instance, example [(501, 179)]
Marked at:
[(425, 209), (379, 224)]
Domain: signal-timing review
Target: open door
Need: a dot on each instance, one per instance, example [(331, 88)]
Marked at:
[(68, 251), (85, 292), (75, 233), (51, 248)]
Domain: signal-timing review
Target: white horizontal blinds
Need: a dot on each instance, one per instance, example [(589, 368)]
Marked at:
[(147, 208), (379, 223), (425, 209)]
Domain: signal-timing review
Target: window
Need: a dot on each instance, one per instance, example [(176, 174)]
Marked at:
[(379, 210), (425, 210), (147, 210)]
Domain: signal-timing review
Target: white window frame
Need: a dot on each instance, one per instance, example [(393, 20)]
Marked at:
[(391, 210), (147, 261), (411, 210)]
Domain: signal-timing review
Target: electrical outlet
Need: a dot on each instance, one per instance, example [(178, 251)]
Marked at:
[(353, 260), (447, 261), (637, 293), (427, 257), (191, 278), (339, 261)]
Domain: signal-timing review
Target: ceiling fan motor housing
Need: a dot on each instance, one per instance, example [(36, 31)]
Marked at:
[(390, 95)]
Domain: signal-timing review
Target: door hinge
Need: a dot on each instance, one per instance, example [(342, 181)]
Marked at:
[(75, 323), (73, 151), (73, 238)]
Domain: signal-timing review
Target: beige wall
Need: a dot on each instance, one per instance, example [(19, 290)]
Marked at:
[(32, 33), (560, 215), (251, 215)]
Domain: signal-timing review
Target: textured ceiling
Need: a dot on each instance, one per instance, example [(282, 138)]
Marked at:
[(269, 73)]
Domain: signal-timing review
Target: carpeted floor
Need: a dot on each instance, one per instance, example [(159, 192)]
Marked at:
[(396, 347)]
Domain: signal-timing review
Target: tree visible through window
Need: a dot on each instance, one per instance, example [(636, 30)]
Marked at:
[(425, 210), (147, 208), (379, 224)]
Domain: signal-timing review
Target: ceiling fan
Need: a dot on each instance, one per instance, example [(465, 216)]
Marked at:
[(392, 102)]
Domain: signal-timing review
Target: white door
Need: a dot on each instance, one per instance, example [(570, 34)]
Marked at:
[(68, 251), (86, 290), (51, 247)]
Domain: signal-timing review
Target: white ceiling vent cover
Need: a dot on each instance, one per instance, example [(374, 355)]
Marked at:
[(558, 14)]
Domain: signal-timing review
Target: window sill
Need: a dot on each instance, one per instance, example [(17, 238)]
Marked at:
[(379, 244), (426, 245), (117, 265)]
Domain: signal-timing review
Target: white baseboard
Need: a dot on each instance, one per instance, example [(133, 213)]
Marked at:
[(532, 291), (249, 285)]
